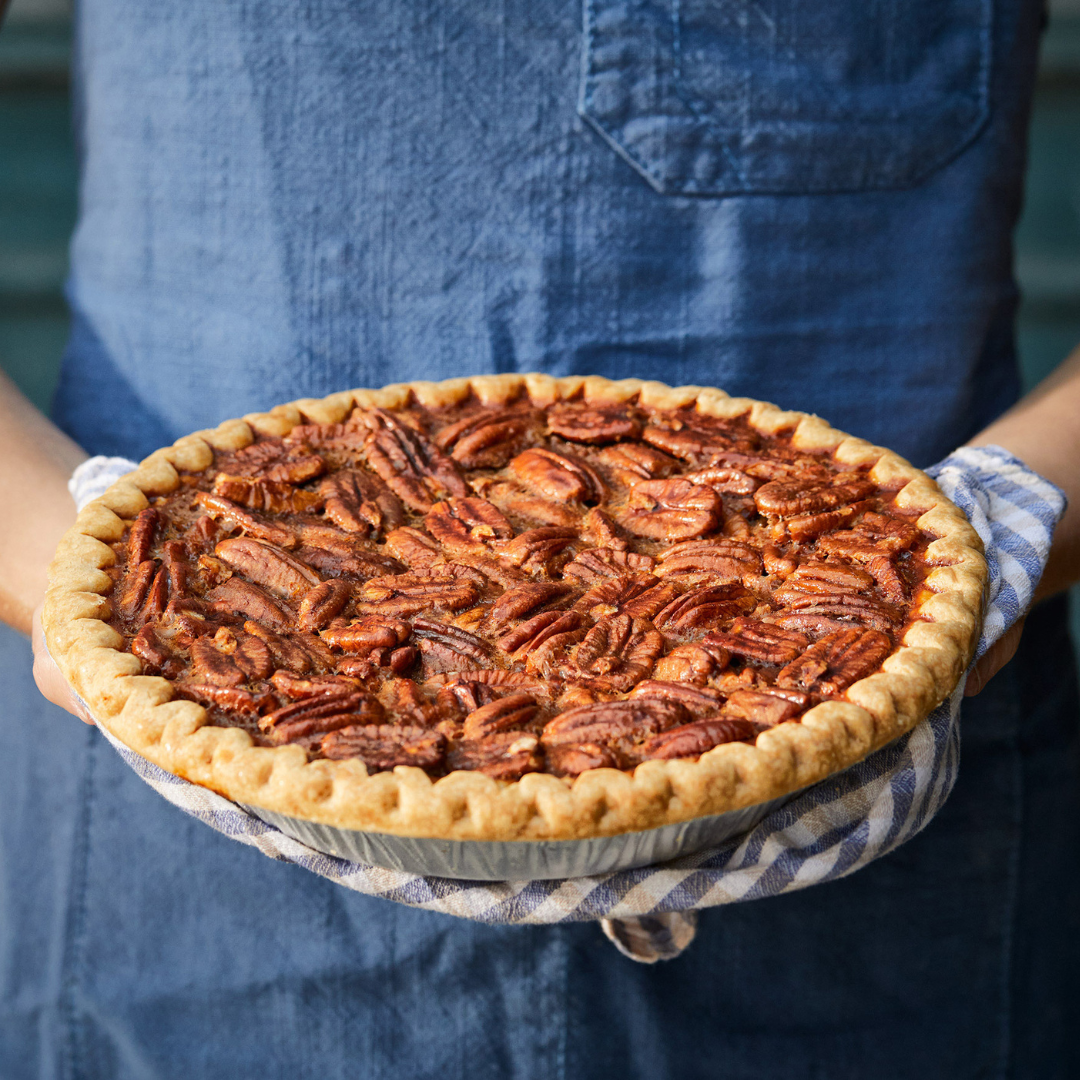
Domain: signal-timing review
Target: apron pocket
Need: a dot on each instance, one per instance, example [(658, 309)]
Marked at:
[(727, 97)]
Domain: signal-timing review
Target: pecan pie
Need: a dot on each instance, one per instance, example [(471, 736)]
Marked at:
[(515, 607)]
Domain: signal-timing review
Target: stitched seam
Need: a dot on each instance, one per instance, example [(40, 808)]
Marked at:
[(72, 1022), (1012, 902)]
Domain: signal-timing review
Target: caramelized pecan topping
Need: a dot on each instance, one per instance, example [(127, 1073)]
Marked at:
[(524, 587)]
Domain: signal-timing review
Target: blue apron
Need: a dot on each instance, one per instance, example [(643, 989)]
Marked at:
[(807, 201)]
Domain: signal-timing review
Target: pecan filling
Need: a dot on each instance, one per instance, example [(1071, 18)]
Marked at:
[(516, 589)]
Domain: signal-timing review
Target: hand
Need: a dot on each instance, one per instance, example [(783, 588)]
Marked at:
[(994, 659), (47, 675)]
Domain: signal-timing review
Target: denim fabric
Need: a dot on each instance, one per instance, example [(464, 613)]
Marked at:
[(283, 199)]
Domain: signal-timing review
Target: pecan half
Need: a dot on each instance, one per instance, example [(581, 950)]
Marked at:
[(410, 594), (671, 510), (706, 608), (839, 659), (323, 603), (777, 563), (248, 652), (614, 655), (820, 613), (488, 440), (414, 469), (136, 586), (360, 503), (174, 555), (506, 755), (616, 725), (508, 680), (804, 527), (448, 646), (516, 503), (600, 563), (692, 437), (296, 469), (572, 759), (728, 560), (697, 738), (557, 476), (414, 548), (270, 496), (700, 702), (385, 746), (598, 529), (876, 534), (141, 536), (268, 566), (297, 689), (154, 652), (467, 525), (762, 642), (353, 564), (535, 549), (403, 698), (787, 498), (593, 424), (286, 653), (503, 714), (823, 579), (157, 596), (530, 635), (348, 438), (763, 707), (231, 699), (630, 463), (367, 633), (610, 593), (691, 663), (725, 480), (235, 519), (213, 666), (239, 597), (523, 600), (323, 712), (892, 533), (884, 572)]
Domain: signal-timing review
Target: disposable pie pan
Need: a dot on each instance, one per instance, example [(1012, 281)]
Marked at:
[(522, 860)]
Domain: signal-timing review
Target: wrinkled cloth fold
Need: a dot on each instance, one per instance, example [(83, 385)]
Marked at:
[(824, 833)]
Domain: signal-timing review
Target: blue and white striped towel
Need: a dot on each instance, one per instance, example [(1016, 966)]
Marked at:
[(830, 830)]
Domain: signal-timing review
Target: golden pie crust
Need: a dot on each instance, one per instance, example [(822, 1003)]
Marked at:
[(143, 713)]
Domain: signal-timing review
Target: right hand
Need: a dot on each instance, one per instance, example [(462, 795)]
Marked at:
[(47, 675)]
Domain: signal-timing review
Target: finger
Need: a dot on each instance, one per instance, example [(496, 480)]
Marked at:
[(995, 658), (52, 684)]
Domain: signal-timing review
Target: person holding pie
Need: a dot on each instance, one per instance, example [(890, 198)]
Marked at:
[(810, 204)]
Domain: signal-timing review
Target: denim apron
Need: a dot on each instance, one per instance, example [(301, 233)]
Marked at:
[(807, 201)]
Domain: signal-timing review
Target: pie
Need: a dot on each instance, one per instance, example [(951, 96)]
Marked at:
[(515, 607)]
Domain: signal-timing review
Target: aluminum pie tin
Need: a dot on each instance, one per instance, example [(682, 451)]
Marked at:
[(521, 860)]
